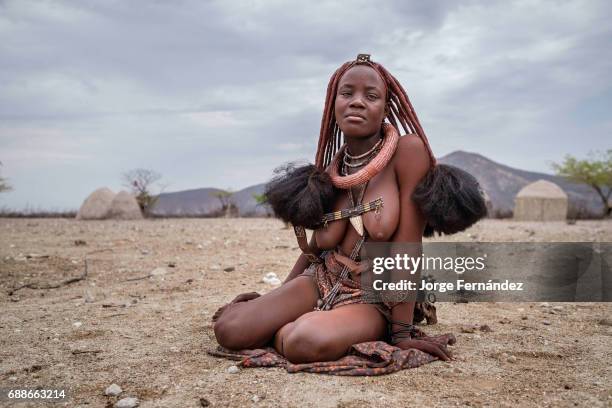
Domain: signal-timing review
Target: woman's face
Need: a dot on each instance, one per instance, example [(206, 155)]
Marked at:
[(360, 102)]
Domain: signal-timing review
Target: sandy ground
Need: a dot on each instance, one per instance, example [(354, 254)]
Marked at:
[(150, 335)]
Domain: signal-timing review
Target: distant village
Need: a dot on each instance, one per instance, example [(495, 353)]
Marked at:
[(579, 190), (509, 193)]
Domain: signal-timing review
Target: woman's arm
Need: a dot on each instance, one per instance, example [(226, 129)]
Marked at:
[(411, 165), (302, 262), (299, 267)]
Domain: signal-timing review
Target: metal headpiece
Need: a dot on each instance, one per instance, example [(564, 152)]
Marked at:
[(363, 58)]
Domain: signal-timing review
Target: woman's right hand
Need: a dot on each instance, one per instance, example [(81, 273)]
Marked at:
[(430, 347), (243, 297)]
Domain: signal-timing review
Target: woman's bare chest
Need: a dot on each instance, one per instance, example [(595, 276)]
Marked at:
[(379, 225)]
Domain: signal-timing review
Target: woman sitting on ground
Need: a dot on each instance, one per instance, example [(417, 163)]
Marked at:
[(317, 314)]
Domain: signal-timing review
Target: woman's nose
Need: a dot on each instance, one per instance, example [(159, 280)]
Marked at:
[(357, 102)]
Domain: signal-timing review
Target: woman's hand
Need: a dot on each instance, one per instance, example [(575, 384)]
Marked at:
[(430, 347), (243, 297)]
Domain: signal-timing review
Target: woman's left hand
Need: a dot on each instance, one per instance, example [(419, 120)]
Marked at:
[(430, 347), (243, 297)]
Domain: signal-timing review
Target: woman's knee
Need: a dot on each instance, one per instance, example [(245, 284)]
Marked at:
[(225, 333), (304, 344), (230, 332), (281, 336)]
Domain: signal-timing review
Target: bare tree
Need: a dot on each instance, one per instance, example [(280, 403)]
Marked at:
[(225, 198), (4, 185), (140, 182)]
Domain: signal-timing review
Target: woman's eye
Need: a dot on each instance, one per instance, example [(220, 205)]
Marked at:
[(372, 97)]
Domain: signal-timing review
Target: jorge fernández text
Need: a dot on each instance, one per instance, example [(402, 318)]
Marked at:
[(442, 287)]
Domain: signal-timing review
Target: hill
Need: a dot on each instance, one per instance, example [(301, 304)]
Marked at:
[(500, 182)]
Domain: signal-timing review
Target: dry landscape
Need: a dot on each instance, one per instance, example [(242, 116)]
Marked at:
[(140, 318)]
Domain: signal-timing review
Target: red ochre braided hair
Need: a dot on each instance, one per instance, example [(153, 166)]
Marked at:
[(399, 111), (449, 198)]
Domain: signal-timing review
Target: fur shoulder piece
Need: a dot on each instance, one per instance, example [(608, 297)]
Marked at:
[(451, 200), (300, 195)]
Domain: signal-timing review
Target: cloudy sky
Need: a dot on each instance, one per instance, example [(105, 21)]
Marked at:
[(217, 94)]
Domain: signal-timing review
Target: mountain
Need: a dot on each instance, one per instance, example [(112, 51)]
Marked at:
[(203, 202), (500, 182)]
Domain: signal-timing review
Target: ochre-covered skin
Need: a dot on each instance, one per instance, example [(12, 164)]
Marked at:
[(285, 317), (379, 228)]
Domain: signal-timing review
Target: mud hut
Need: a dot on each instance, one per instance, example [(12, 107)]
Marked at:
[(125, 207), (97, 205), (540, 201)]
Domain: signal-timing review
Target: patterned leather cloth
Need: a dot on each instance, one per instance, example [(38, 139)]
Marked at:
[(364, 359)]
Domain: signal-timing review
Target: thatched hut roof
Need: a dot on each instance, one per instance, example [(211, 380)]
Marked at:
[(542, 189)]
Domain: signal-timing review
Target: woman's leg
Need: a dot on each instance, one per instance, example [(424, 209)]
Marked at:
[(328, 335), (253, 324)]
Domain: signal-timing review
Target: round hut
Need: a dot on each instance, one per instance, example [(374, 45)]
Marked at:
[(97, 205), (125, 207), (540, 201)]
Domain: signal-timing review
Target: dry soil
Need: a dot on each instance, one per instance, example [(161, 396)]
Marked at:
[(149, 332)]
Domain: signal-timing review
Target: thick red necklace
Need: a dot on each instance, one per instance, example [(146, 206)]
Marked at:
[(391, 137)]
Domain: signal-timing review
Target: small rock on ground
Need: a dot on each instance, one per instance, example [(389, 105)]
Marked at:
[(113, 390), (271, 279), (485, 328), (468, 329), (129, 402), (605, 322), (158, 272)]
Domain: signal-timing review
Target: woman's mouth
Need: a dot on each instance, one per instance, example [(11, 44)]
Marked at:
[(355, 118)]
